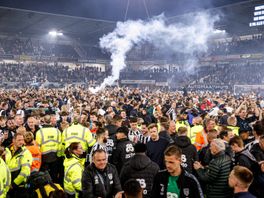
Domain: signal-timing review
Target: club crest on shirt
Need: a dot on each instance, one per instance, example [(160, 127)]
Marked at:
[(96, 180), (110, 176), (186, 191), (162, 189)]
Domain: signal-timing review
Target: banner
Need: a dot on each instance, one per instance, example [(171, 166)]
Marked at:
[(242, 89), (86, 61), (46, 58), (257, 56), (245, 55), (25, 58), (7, 56), (142, 82), (102, 61), (62, 59), (162, 84), (208, 87)]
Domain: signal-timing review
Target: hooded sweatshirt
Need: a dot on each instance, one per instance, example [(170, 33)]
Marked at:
[(189, 153), (141, 168), (246, 159)]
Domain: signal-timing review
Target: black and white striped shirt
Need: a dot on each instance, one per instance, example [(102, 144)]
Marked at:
[(137, 136), (107, 147)]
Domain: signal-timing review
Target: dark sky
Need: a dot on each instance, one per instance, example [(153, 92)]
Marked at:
[(115, 9)]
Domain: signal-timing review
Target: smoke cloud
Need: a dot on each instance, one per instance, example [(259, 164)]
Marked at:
[(189, 38)]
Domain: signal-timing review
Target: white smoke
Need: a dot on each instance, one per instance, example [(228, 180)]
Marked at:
[(188, 38)]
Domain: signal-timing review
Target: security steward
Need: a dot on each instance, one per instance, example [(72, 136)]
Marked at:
[(78, 133), (5, 176), (198, 127), (73, 170), (18, 160), (49, 140), (34, 150), (201, 137)]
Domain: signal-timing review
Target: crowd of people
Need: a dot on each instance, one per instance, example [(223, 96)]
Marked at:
[(130, 143), (214, 78), (239, 46), (231, 74), (248, 44), (39, 48), (145, 74), (26, 73), (223, 76), (34, 47)]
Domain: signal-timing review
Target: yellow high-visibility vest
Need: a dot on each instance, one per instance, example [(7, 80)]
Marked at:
[(235, 129), (49, 140), (19, 165), (5, 180), (194, 130), (73, 169), (77, 133), (183, 124)]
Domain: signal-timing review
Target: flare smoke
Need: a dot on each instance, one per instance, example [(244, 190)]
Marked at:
[(188, 38)]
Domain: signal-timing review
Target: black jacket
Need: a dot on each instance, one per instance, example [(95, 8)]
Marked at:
[(140, 167), (146, 118), (205, 155), (187, 183), (96, 183), (244, 195), (123, 151), (165, 134), (228, 150), (7, 142), (257, 152), (246, 159), (189, 152), (244, 124), (216, 176)]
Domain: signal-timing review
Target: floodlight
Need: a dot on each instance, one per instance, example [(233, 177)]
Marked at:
[(55, 33), (219, 31)]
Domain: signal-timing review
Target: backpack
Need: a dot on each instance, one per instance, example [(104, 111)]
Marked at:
[(38, 181)]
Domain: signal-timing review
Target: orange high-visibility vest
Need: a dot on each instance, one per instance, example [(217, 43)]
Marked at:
[(36, 155), (201, 140)]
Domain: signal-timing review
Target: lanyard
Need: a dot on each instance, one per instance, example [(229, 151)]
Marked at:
[(102, 181)]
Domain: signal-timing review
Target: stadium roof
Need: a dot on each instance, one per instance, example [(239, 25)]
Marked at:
[(234, 17), (117, 10), (31, 23), (36, 18)]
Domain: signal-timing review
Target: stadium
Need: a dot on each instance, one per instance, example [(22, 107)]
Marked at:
[(26, 41), (132, 98)]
